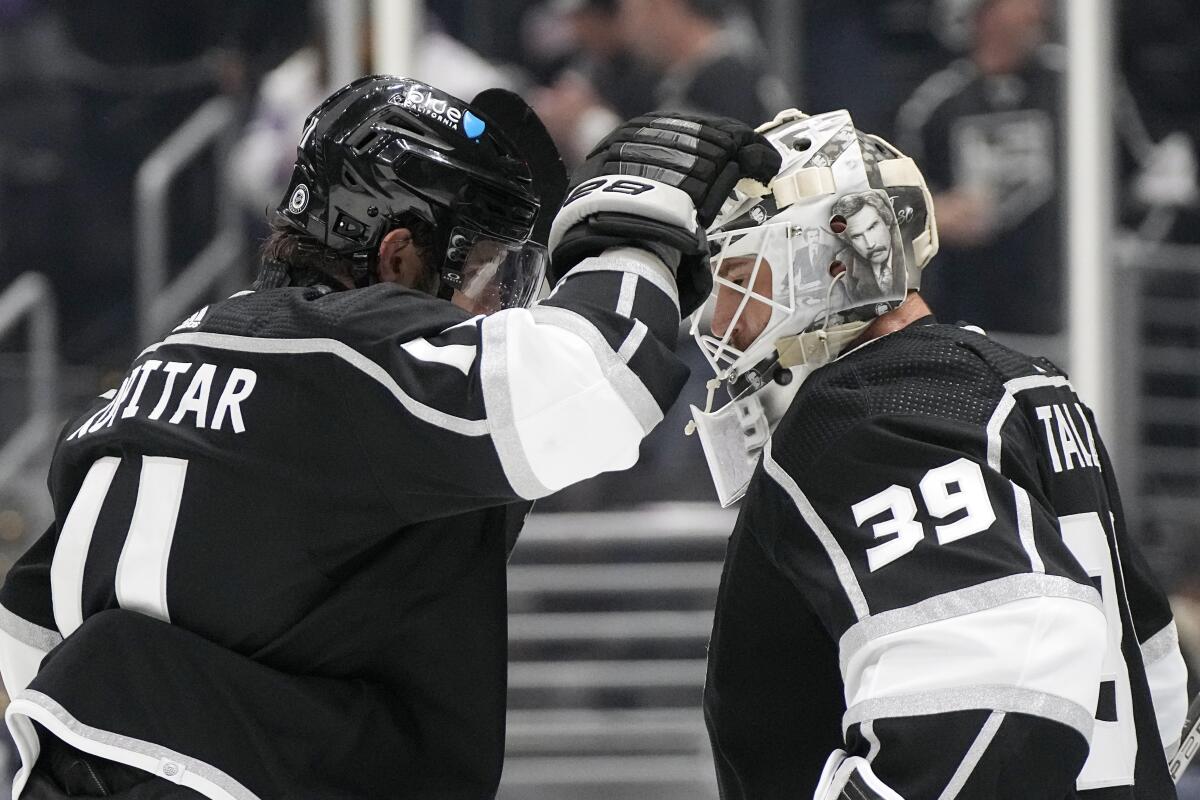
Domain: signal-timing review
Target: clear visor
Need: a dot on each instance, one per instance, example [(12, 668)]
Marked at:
[(496, 274)]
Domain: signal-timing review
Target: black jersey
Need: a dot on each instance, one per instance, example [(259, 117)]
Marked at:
[(277, 566), (931, 570), (997, 136)]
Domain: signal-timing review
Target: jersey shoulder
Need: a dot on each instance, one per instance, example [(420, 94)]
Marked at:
[(354, 317), (940, 373)]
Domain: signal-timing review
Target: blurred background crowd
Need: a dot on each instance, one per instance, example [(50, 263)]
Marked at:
[(143, 145)]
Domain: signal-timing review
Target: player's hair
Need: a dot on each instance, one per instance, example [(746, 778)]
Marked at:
[(851, 204), (307, 259)]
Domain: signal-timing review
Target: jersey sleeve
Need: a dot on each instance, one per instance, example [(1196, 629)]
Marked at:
[(968, 635), (1153, 624), (1158, 643), (524, 402), (27, 628), (1166, 675)]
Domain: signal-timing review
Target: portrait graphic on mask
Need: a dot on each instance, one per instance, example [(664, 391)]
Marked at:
[(872, 253)]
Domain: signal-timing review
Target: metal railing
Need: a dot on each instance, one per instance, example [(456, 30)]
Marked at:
[(31, 297), (1157, 362), (162, 300), (609, 614)]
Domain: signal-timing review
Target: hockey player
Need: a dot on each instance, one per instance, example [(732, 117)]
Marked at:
[(931, 591), (277, 564)]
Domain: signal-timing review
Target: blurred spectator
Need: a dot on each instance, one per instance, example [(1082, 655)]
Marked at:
[(37, 121), (986, 134), (263, 157), (894, 49), (121, 75), (706, 65), (601, 85), (640, 55), (1159, 49)]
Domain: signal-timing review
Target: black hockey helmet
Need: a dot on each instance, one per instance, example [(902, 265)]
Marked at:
[(485, 176)]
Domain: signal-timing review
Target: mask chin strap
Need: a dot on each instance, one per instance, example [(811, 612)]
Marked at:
[(814, 348), (712, 385)]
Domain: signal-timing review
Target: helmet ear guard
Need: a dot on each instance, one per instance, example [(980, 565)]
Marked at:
[(903, 172)]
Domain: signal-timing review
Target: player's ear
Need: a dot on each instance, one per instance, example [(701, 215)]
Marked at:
[(396, 257)]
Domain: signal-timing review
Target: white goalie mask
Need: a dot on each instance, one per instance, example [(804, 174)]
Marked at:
[(800, 269)]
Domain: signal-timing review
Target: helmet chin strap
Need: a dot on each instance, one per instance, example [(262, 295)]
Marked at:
[(712, 385), (364, 268)]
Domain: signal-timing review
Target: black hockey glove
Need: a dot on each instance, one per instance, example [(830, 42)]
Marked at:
[(659, 181)]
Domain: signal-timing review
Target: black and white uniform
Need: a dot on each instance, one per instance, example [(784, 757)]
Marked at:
[(931, 570), (277, 566)]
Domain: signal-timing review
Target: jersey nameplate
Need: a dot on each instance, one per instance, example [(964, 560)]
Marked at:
[(154, 390), (1067, 448)]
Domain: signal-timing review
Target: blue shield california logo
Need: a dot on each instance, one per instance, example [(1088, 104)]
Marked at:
[(473, 126)]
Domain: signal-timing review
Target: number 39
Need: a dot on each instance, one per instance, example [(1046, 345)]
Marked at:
[(957, 486)]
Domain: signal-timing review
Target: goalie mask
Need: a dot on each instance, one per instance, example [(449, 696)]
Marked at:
[(800, 270)]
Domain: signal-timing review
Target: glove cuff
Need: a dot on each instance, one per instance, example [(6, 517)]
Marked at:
[(627, 196)]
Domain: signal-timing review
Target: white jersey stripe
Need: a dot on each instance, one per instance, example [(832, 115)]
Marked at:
[(628, 294), (535, 404), (980, 597), (868, 733), (841, 564), (27, 632), (70, 554), (19, 662), (633, 341), (973, 756), (631, 261), (460, 356), (1007, 658), (251, 344), (184, 770), (141, 580), (973, 698), (1166, 673), (1025, 529), (1005, 406)]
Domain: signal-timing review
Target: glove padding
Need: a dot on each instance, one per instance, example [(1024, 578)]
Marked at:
[(659, 179)]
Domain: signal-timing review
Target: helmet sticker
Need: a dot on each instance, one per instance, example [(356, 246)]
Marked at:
[(299, 199), (873, 249), (473, 126), (423, 100), (835, 147)]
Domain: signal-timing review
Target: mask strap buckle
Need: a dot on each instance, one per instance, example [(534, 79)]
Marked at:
[(712, 385)]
